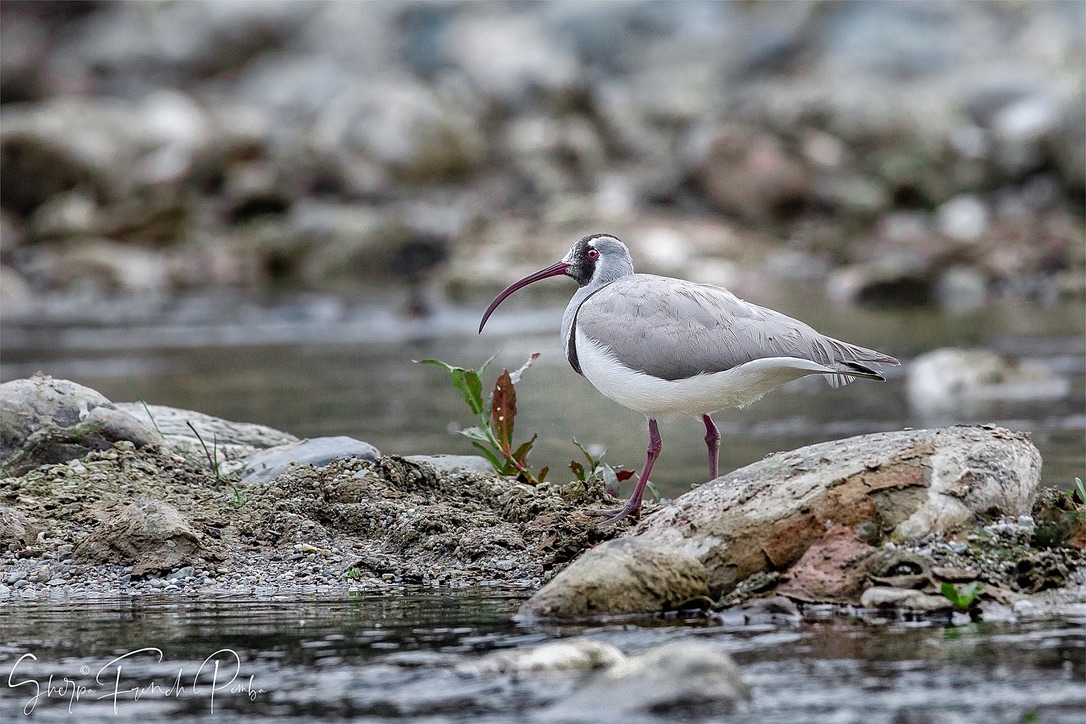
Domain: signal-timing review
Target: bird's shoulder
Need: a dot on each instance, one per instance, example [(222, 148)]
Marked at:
[(663, 299)]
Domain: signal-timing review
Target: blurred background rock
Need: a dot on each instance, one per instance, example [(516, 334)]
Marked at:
[(894, 152)]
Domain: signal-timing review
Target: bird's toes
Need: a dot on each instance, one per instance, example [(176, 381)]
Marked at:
[(614, 515)]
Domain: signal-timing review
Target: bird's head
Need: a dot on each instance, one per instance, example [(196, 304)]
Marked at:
[(595, 261)]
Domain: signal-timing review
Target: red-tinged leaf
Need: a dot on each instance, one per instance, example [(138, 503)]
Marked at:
[(543, 475), (521, 455), (503, 411), (624, 475), (577, 469)]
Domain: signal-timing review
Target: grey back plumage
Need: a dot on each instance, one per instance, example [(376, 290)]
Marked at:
[(674, 329)]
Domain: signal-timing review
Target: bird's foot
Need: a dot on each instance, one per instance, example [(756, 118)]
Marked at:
[(614, 515)]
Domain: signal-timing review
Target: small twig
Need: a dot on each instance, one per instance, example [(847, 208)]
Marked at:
[(211, 460)]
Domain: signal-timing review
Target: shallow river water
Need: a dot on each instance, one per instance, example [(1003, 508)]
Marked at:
[(317, 366), (396, 657)]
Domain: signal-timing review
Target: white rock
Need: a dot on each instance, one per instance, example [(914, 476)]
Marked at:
[(964, 218), (958, 383), (577, 653)]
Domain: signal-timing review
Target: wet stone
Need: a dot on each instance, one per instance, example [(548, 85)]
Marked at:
[(684, 679), (903, 599), (578, 653)]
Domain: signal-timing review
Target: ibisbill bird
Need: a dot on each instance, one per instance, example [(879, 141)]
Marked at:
[(667, 347)]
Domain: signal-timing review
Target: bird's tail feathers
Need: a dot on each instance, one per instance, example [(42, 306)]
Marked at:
[(850, 363)]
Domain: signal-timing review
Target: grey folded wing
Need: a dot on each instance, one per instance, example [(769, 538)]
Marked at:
[(674, 329)]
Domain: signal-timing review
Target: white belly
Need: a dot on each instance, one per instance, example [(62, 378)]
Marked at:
[(694, 396)]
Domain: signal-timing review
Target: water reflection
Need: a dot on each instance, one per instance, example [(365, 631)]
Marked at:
[(395, 657)]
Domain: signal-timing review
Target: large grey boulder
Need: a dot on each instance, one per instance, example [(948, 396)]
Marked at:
[(45, 420), (895, 486)]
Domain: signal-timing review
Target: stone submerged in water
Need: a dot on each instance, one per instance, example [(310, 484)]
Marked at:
[(686, 679), (569, 655), (895, 487)]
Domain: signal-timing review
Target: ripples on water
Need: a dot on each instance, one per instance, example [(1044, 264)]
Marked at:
[(394, 656)]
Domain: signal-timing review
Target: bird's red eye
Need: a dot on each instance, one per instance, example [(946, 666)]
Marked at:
[(593, 254)]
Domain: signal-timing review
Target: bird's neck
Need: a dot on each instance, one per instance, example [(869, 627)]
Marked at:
[(569, 320)]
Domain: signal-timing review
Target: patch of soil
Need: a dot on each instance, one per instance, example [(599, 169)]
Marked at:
[(353, 522)]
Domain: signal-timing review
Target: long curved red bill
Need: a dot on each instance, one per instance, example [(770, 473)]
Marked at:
[(552, 271)]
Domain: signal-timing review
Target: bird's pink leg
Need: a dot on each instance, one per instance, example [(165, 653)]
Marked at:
[(712, 441), (634, 503)]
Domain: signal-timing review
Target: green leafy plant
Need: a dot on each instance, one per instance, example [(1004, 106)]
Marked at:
[(493, 435), (1080, 488), (962, 598)]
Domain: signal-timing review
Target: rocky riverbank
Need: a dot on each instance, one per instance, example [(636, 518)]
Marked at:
[(96, 501)]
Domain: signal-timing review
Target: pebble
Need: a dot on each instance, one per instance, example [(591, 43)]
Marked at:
[(181, 573), (16, 576)]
